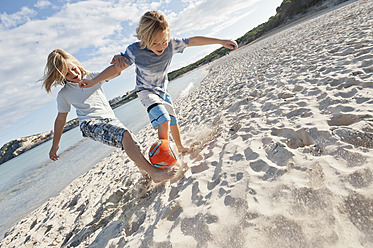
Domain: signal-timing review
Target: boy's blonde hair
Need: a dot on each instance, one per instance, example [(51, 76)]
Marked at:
[(57, 68), (150, 24)]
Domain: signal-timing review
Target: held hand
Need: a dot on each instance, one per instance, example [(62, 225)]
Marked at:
[(230, 44), (86, 83), (53, 153), (115, 58), (119, 61)]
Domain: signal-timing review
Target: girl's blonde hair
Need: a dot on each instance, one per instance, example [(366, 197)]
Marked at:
[(57, 68), (150, 24)]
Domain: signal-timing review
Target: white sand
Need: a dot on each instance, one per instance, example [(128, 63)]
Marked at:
[(282, 132)]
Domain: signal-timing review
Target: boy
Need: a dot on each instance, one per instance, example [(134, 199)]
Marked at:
[(152, 56)]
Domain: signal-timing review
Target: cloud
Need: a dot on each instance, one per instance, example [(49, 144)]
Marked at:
[(42, 4), (15, 19), (230, 22), (203, 14)]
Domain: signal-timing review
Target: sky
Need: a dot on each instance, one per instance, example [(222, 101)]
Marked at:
[(94, 31)]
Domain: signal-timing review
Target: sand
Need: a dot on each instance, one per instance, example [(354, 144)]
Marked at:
[(282, 137)]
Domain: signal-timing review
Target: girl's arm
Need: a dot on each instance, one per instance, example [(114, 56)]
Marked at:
[(58, 129), (107, 74), (201, 40)]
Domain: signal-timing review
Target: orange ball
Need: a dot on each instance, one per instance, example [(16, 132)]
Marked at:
[(163, 154)]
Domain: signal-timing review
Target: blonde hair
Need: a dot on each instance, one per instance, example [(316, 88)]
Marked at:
[(150, 24), (57, 68)]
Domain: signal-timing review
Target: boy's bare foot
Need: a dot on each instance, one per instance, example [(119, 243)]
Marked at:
[(159, 175), (183, 149)]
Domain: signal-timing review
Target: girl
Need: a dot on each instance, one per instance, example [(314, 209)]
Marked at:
[(96, 118)]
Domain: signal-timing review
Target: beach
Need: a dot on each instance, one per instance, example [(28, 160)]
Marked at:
[(281, 132)]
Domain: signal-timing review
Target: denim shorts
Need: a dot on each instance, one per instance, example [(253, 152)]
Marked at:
[(107, 131), (160, 108)]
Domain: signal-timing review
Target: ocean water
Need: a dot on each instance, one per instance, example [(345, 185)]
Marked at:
[(30, 179)]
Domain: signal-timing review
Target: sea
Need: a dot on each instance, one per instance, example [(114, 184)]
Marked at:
[(29, 180)]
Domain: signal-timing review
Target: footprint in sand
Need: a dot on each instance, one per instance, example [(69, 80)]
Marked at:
[(360, 211), (344, 119), (355, 137), (270, 172), (361, 178), (294, 139), (301, 112)]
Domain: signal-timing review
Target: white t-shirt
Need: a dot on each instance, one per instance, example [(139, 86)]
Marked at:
[(89, 103)]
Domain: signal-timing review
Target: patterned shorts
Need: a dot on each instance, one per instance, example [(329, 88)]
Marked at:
[(160, 108), (107, 131)]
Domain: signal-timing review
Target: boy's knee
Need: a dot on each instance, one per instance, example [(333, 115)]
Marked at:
[(164, 124), (158, 115)]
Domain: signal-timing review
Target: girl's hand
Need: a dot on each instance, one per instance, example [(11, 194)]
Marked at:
[(119, 61), (230, 44), (53, 153)]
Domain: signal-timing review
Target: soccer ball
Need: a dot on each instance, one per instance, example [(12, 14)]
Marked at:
[(163, 154)]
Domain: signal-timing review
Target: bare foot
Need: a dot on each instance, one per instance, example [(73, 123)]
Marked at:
[(183, 149), (159, 175)]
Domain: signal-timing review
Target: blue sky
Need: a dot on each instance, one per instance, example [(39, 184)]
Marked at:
[(93, 31)]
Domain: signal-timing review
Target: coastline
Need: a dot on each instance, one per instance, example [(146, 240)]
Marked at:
[(282, 139)]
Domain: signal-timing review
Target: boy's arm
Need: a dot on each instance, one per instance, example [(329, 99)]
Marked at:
[(58, 129), (109, 73), (201, 40)]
